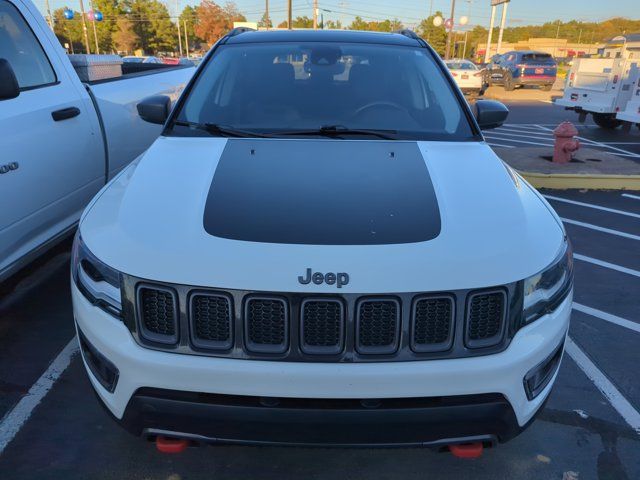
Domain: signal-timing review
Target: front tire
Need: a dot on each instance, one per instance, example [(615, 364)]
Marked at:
[(606, 121), (508, 84), (547, 88)]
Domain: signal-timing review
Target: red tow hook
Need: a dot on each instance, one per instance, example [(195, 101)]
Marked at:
[(466, 450), (171, 445)]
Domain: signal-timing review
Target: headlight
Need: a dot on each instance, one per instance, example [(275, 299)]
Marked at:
[(544, 291), (99, 283)]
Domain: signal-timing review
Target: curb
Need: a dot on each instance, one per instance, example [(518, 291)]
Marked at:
[(562, 181)]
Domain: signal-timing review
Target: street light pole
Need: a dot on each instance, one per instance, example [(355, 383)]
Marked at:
[(178, 25), (503, 20), (186, 37), (487, 52), (450, 33)]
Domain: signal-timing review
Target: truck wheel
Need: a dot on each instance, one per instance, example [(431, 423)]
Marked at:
[(508, 84), (606, 120), (547, 88)]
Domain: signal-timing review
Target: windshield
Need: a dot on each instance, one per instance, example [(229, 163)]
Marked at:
[(461, 66), (287, 88)]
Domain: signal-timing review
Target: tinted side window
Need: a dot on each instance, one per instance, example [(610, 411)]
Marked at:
[(20, 47)]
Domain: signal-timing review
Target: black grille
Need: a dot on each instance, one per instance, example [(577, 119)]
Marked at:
[(211, 321), (432, 324), (485, 318), (158, 314), (266, 325), (378, 326), (322, 326)]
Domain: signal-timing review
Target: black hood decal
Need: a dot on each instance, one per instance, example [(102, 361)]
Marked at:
[(322, 192)]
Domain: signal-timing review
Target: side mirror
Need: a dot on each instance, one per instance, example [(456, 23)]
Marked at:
[(8, 82), (490, 114), (155, 109)]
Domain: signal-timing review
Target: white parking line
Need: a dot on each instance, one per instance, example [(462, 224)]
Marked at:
[(499, 145), (12, 422), (608, 389), (591, 205), (600, 229), (602, 263), (523, 134), (517, 141), (628, 195), (607, 317)]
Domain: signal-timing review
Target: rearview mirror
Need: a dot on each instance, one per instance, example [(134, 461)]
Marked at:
[(155, 109), (490, 114), (8, 82)]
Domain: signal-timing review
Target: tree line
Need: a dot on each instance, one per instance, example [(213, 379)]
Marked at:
[(147, 25)]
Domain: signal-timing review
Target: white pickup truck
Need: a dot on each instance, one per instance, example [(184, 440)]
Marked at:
[(62, 139), (607, 87)]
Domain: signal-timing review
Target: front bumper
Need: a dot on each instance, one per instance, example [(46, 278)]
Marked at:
[(465, 397)]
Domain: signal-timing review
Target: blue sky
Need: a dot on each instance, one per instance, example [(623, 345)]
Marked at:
[(520, 12)]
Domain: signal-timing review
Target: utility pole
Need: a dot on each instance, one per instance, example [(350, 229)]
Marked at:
[(178, 24), (266, 15), (503, 21), (580, 36), (186, 36), (487, 52), (450, 33), (84, 28), (95, 31), (290, 15), (49, 16), (315, 14), (555, 45)]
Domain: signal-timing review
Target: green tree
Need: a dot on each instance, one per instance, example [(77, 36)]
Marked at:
[(69, 31), (265, 21), (333, 25), (125, 38), (359, 24), (436, 36), (302, 22), (152, 24)]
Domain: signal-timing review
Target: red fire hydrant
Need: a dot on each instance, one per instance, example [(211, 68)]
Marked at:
[(565, 145)]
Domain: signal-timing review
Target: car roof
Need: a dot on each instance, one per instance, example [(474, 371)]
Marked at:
[(339, 36)]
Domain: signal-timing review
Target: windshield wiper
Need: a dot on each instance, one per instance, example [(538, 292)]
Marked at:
[(338, 130), (221, 130)]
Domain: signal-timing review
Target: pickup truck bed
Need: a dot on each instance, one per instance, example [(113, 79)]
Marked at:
[(62, 139)]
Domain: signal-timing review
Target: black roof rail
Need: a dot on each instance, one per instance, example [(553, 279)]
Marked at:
[(239, 30), (411, 34)]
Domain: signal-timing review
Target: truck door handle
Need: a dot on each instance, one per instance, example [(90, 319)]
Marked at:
[(65, 113)]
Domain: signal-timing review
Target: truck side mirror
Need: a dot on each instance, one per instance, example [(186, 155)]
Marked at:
[(490, 114), (9, 87), (155, 109)]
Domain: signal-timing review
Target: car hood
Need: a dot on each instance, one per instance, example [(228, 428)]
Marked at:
[(254, 214)]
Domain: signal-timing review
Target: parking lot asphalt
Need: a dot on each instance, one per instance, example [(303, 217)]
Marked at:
[(531, 123), (590, 428)]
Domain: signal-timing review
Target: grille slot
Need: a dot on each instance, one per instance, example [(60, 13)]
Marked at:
[(322, 326), (432, 324), (486, 312), (211, 321), (158, 314), (378, 326), (266, 324)]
